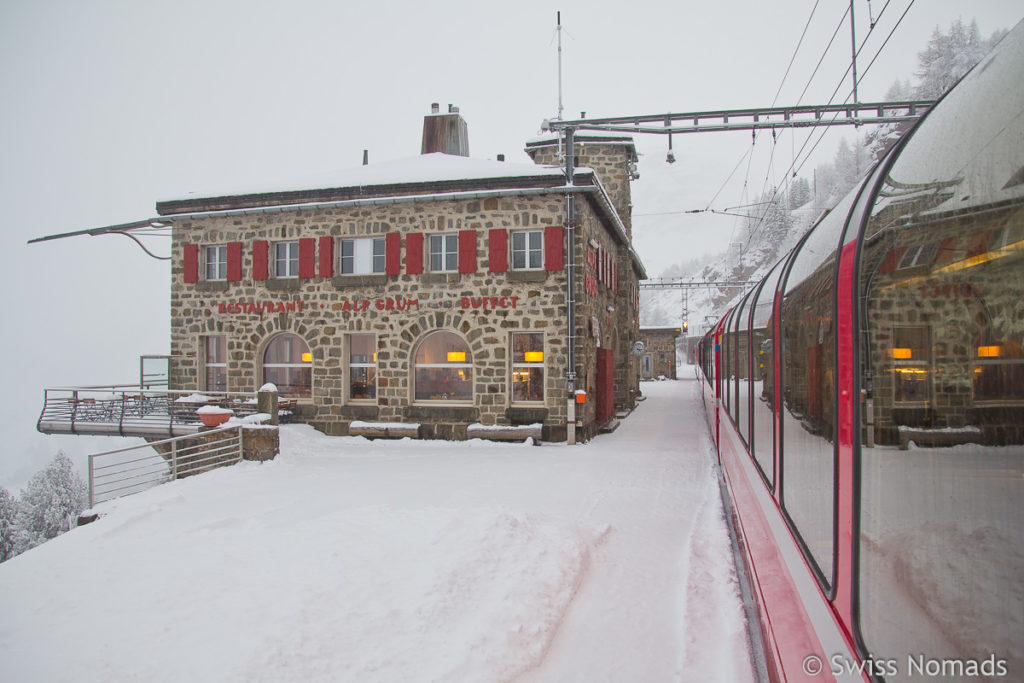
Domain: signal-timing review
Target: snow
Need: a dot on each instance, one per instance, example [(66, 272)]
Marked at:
[(352, 560), (424, 168)]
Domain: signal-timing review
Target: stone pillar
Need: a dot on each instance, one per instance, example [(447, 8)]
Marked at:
[(266, 402)]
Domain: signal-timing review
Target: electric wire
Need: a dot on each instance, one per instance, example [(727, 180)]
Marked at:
[(834, 93)]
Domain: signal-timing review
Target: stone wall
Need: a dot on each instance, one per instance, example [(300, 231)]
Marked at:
[(483, 307)]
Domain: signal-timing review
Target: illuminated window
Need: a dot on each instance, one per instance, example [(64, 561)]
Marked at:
[(444, 253), (362, 367), (362, 256), (528, 249), (912, 357), (999, 372), (527, 367), (286, 259), (443, 369), (213, 350), (288, 364), (216, 262)]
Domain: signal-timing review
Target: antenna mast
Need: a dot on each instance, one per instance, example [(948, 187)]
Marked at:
[(559, 66)]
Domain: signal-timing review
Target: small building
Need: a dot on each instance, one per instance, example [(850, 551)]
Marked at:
[(658, 358), (431, 292)]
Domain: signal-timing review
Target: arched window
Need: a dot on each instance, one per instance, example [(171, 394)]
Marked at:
[(443, 369), (288, 364)]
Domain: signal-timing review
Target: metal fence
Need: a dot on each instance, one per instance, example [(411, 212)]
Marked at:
[(127, 410), (124, 471)]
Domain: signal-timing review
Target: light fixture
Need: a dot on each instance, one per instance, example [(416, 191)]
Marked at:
[(902, 354), (533, 357), (307, 357), (988, 352), (593, 243), (456, 356)]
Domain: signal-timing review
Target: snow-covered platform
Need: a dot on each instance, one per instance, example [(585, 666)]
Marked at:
[(383, 560)]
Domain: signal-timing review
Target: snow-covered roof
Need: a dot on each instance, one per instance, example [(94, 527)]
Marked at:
[(424, 168)]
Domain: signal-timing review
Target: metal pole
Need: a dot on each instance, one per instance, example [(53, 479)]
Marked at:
[(853, 53), (174, 459), (92, 483), (559, 65), (570, 267)]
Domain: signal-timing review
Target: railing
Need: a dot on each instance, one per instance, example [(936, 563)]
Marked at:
[(127, 410), (130, 470)]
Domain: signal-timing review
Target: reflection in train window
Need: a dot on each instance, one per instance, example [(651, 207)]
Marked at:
[(808, 390), (762, 347), (741, 411), (911, 360), (942, 457)]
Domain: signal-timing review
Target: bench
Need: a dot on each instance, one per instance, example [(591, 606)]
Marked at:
[(945, 436), (504, 432), (384, 430)]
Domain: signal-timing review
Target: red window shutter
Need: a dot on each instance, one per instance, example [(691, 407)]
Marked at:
[(891, 260), (467, 251), (414, 253), (393, 253), (234, 261), (554, 253), (307, 257), (260, 261), (497, 250), (191, 263), (326, 256)]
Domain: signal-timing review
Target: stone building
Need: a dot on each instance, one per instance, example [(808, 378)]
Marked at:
[(659, 355), (430, 294)]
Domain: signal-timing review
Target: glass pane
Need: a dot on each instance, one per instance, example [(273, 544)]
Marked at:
[(444, 384), (528, 347), (362, 348), (742, 410), (215, 348), (286, 348), (527, 384), (290, 382), (808, 388), (363, 383), (763, 348), (443, 347), (942, 543)]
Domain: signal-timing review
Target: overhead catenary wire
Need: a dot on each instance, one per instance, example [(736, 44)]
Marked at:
[(795, 169)]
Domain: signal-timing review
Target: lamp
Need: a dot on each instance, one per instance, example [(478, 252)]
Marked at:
[(307, 357), (456, 356), (533, 357), (988, 352), (902, 354)]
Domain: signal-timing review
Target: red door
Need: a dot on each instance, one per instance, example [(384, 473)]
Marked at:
[(605, 385)]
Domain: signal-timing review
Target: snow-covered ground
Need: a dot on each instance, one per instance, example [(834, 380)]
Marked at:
[(351, 560)]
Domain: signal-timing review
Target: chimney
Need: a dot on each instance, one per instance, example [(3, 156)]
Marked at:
[(445, 133)]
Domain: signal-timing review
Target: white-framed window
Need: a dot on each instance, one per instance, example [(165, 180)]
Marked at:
[(527, 367), (286, 259), (362, 256), (444, 253), (215, 258), (214, 362), (918, 255), (527, 249), (362, 367), (443, 369), (288, 363)]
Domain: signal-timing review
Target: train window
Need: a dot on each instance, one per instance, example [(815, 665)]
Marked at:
[(725, 367), (742, 409), (808, 390), (762, 337), (942, 372)]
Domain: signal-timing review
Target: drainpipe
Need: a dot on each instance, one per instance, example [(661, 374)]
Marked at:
[(570, 267)]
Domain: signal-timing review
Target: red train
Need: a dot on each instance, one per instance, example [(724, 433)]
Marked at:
[(867, 401)]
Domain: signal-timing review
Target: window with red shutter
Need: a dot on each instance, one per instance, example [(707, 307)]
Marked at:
[(234, 261), (326, 256), (414, 253), (467, 251), (554, 253), (191, 263), (260, 260), (497, 250), (307, 257)]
